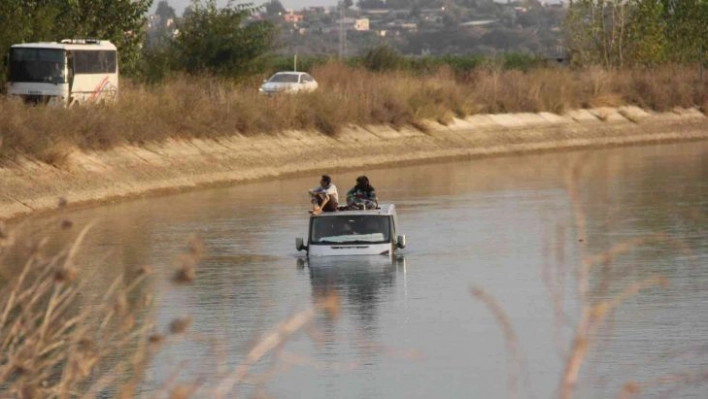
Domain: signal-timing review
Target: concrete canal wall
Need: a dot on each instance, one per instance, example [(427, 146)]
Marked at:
[(29, 187)]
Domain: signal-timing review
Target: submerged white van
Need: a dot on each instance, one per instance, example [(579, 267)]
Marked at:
[(362, 232)]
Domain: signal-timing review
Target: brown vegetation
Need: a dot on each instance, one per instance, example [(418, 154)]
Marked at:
[(211, 108), (52, 343)]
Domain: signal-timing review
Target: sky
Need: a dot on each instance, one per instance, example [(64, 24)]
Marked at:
[(180, 5)]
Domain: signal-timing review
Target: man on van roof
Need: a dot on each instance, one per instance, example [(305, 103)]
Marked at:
[(324, 198)]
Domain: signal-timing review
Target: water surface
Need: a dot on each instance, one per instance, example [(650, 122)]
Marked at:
[(411, 327)]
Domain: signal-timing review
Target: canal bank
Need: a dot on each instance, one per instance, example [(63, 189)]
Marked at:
[(130, 171)]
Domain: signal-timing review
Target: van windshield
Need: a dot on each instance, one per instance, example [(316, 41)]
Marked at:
[(351, 229), (37, 65)]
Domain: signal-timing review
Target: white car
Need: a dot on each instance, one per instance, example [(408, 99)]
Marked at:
[(288, 82)]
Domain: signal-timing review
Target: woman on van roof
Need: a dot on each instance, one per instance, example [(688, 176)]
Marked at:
[(362, 195)]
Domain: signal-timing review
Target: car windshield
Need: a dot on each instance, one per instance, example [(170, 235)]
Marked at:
[(37, 65), (284, 78), (351, 229)]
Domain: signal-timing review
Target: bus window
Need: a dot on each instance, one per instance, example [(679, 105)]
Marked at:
[(36, 65), (94, 62)]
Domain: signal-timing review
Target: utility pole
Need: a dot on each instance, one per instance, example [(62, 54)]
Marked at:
[(342, 32)]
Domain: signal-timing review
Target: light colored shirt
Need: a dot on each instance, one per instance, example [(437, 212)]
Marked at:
[(331, 191)]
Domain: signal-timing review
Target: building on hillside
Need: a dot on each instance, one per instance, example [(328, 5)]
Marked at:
[(379, 12), (317, 10), (293, 17), (401, 26), (356, 24), (361, 24), (478, 23)]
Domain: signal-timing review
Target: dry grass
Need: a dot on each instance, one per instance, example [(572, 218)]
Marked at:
[(51, 343), (209, 108), (56, 341)]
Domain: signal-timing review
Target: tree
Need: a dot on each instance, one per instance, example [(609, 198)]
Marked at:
[(646, 39), (383, 58), (222, 41), (399, 4), (120, 21), (597, 29), (371, 4), (165, 12), (24, 22), (686, 28), (631, 32), (274, 7), (187, 12)]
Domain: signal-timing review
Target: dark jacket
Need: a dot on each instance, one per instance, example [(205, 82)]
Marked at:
[(359, 193)]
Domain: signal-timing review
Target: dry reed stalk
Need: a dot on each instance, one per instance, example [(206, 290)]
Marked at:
[(593, 314), (514, 361), (50, 346), (554, 279), (591, 318), (677, 380), (274, 339)]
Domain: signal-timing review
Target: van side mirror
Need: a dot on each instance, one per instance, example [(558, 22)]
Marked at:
[(299, 244), (401, 241)]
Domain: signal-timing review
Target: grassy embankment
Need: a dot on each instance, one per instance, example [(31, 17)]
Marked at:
[(210, 108)]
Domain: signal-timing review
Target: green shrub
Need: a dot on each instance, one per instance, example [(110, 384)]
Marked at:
[(383, 58), (219, 41)]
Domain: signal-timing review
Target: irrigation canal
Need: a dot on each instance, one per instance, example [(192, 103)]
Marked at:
[(516, 228)]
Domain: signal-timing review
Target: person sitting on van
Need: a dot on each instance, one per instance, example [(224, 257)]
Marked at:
[(324, 198), (362, 195)]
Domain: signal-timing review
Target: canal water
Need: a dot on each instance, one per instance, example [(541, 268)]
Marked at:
[(483, 302)]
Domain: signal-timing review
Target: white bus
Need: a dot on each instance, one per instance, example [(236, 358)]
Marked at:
[(67, 72)]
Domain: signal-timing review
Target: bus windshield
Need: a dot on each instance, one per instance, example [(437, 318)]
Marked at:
[(351, 229), (37, 65)]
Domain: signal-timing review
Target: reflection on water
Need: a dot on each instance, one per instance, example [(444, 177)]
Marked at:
[(508, 225), (363, 284), (361, 287)]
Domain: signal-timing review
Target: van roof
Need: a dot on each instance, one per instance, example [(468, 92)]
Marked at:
[(384, 209)]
